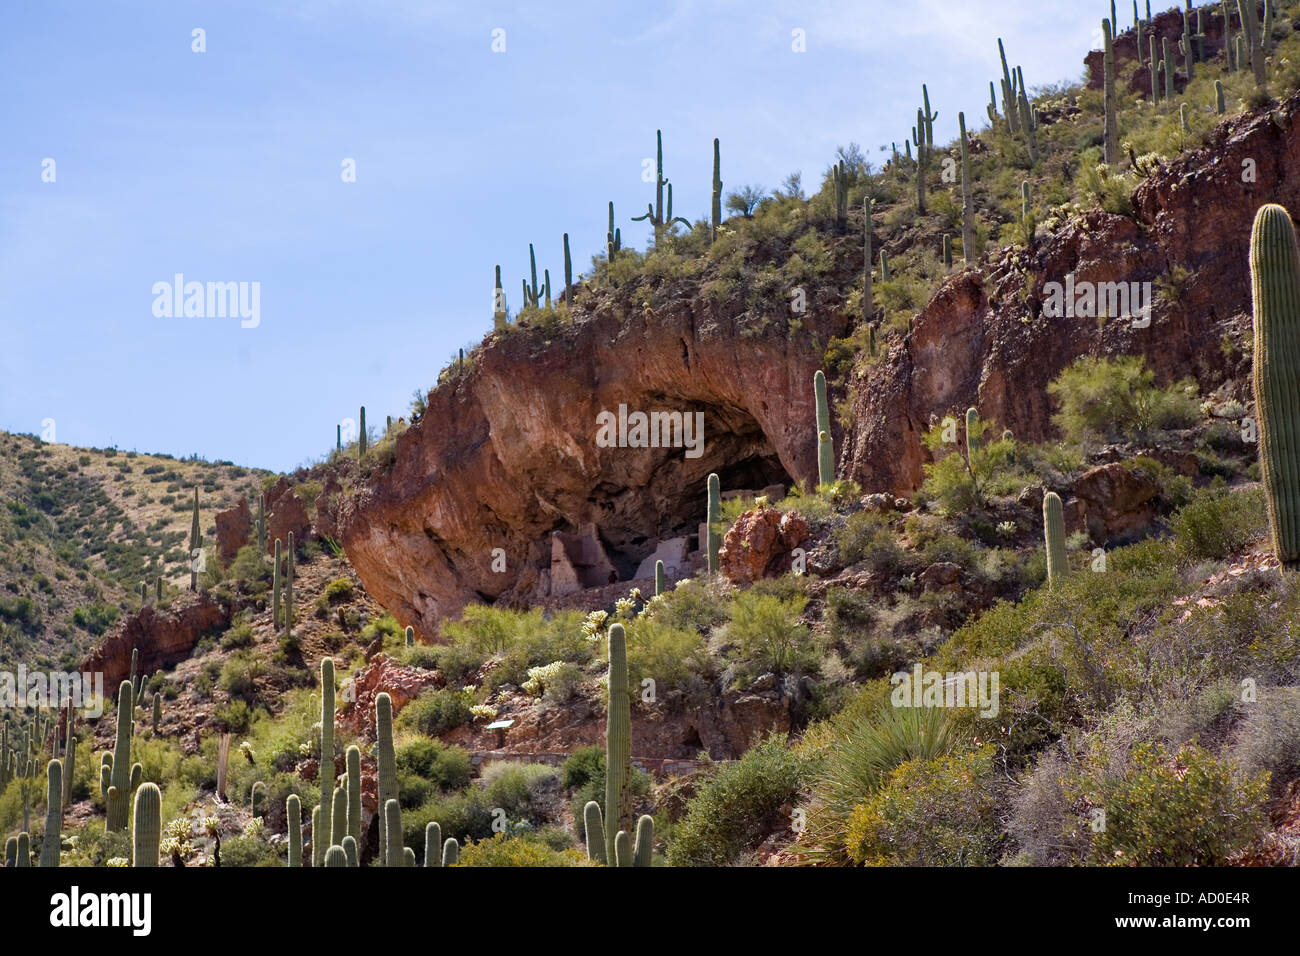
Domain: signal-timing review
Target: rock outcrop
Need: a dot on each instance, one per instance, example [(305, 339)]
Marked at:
[(163, 635), (508, 453), (985, 341), (233, 527), (759, 544)]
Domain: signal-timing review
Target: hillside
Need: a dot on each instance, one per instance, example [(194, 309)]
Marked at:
[(83, 527), (515, 639)]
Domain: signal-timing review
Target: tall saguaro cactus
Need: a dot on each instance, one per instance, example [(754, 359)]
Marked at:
[(293, 815), (1253, 35), (362, 437), (1054, 537), (119, 764), (326, 779), (498, 302), (657, 215), (196, 542), (868, 291), (568, 273), (353, 758), (1010, 101), (618, 734), (594, 829), (1275, 283), (715, 205), (825, 447), (53, 815), (393, 847), (387, 761), (1111, 134), (712, 516), (146, 831), (275, 588), (288, 588), (967, 200)]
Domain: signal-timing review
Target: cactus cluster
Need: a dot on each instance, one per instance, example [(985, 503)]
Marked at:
[(118, 778)]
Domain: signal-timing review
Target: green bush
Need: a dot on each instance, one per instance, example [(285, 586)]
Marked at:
[(938, 812), (525, 791), (445, 765), (1217, 524), (769, 635), (436, 711), (1101, 399), (1184, 809), (738, 806), (506, 850), (339, 591)]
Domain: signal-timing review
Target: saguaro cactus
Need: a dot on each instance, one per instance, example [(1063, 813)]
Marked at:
[(69, 765), (660, 582), (157, 712), (451, 852), (1220, 106), (568, 272), (972, 432), (339, 813), (1009, 98), (146, 831), (1253, 36), (967, 200), (1111, 134), (387, 761), (432, 844), (868, 292), (353, 853), (825, 447), (1275, 281), (712, 517), (645, 838), (618, 733), (120, 763), (715, 206), (594, 829), (326, 779), (319, 839), (622, 849), (275, 588), (288, 588), (23, 851), (393, 855), (1054, 536), (336, 856), (659, 217), (196, 543), (498, 302), (353, 758), (293, 815), (53, 815)]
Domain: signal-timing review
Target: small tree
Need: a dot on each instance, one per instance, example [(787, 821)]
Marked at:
[(745, 200)]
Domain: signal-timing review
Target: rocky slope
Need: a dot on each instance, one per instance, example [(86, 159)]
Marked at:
[(507, 455)]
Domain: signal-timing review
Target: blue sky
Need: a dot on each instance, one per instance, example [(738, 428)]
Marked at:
[(225, 166)]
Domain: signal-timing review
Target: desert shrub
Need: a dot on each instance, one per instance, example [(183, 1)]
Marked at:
[(465, 814), (442, 764), (1184, 809), (239, 676), (339, 591), (768, 634), (249, 851), (738, 806), (525, 791), (869, 538), (694, 604), (583, 766), (436, 711), (238, 637), (937, 812), (95, 618), (506, 850), (250, 566), (1118, 400), (1268, 739), (1217, 524), (557, 681), (861, 754), (674, 657)]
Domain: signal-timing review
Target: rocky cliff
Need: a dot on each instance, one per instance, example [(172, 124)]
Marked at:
[(506, 454)]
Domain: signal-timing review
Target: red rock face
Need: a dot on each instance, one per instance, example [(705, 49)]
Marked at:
[(164, 637), (507, 452), (759, 544), (380, 676), (233, 527), (285, 513), (984, 339)]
